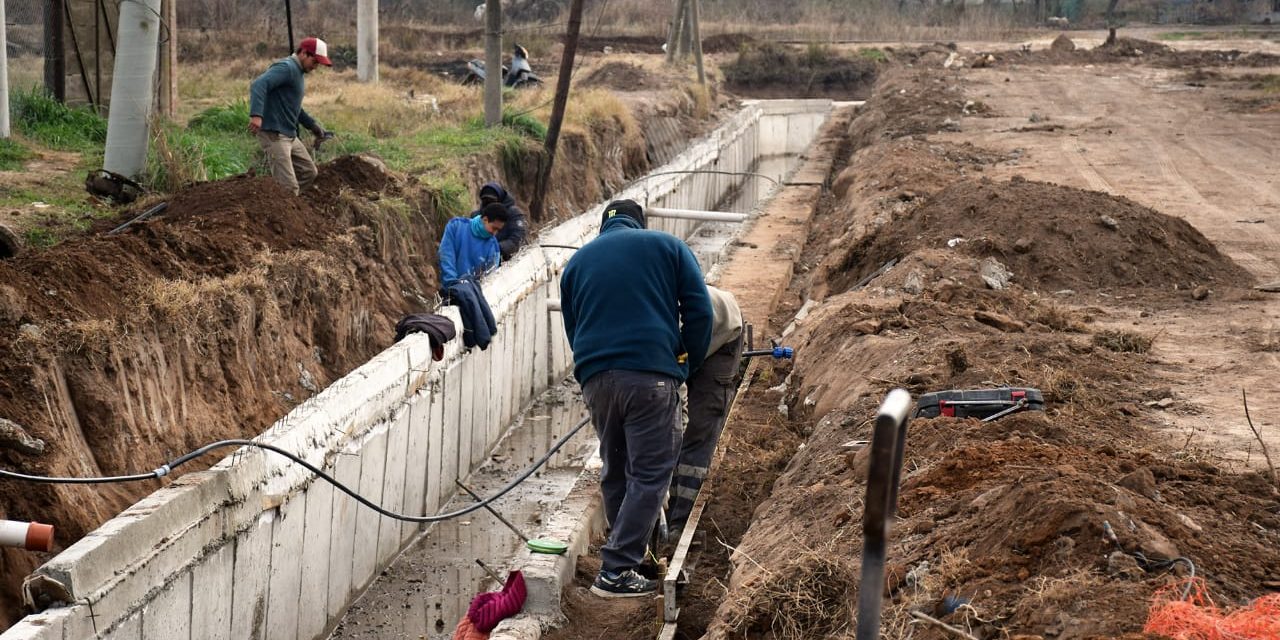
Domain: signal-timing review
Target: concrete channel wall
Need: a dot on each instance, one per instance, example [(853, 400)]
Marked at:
[(255, 547)]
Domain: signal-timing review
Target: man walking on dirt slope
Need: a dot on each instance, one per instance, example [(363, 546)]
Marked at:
[(638, 318), (275, 111), (709, 392)]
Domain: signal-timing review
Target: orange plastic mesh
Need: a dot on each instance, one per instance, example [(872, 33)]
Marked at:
[(1198, 618)]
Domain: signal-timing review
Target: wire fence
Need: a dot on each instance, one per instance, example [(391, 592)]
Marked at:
[(24, 22)]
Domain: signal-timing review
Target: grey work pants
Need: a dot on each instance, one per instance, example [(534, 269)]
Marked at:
[(291, 163), (636, 416), (709, 390)]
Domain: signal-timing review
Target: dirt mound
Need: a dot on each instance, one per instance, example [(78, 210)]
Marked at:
[(620, 76), (774, 70), (907, 102), (1062, 44), (1132, 50), (1053, 237)]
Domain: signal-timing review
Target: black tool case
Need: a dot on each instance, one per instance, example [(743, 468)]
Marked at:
[(978, 403)]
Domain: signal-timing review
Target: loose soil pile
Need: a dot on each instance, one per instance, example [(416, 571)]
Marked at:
[(1001, 528), (1130, 50), (774, 70), (1051, 237)]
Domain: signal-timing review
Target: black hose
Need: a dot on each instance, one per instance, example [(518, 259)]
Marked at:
[(181, 460)]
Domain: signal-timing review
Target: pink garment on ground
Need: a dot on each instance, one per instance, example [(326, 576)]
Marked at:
[(492, 607)]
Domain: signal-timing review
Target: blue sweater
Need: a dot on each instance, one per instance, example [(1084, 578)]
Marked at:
[(276, 96), (463, 250), (635, 299)]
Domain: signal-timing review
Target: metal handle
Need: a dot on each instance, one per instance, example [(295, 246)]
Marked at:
[(888, 442)]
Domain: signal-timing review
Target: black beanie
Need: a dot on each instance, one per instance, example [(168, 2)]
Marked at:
[(627, 208)]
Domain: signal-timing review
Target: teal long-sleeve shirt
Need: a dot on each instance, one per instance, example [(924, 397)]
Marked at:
[(635, 299), (276, 96)]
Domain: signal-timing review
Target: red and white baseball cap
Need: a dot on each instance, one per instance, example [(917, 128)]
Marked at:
[(317, 48)]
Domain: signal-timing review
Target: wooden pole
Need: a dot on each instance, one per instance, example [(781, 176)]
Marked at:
[(675, 35), (172, 19), (55, 56), (697, 41), (493, 63), (537, 204)]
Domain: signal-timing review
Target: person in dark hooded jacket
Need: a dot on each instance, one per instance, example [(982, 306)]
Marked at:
[(513, 235)]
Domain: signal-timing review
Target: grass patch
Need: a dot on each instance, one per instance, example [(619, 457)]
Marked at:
[(232, 118), (449, 198), (13, 154), (874, 55), (1178, 36), (39, 238), (55, 125)]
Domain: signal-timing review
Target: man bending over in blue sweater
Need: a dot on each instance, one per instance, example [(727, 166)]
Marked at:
[(638, 318), (469, 246)]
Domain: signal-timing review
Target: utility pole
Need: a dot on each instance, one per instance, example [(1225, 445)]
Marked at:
[(55, 62), (697, 41), (493, 63), (4, 76), (557, 110), (676, 34), (367, 37), (168, 62)]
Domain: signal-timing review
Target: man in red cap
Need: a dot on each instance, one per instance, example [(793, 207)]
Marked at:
[(275, 111)]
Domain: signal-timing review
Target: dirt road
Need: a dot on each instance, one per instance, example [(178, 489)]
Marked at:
[(1145, 134)]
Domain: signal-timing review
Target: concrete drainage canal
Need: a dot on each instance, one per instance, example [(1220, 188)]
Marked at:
[(257, 547)]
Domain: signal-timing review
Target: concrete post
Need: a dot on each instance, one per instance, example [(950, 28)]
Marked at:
[(4, 77), (133, 88), (367, 40), (493, 63)]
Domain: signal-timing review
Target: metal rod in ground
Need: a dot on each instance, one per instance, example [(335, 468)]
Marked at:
[(492, 510), (492, 574), (145, 214)]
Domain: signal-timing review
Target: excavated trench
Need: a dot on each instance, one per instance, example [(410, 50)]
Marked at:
[(255, 547)]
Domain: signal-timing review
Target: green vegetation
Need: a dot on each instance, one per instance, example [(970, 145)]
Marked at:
[(1177, 36), (1269, 83), (875, 55), (450, 198), (55, 125), (39, 238), (12, 154)]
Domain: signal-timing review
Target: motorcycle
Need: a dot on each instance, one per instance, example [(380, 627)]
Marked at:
[(520, 74)]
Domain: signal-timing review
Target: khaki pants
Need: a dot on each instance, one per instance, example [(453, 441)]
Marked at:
[(291, 164)]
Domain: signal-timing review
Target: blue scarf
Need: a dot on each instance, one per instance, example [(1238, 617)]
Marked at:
[(478, 230)]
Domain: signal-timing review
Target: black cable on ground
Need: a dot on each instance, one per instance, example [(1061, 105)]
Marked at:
[(166, 469)]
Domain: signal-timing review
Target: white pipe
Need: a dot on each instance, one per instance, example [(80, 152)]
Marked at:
[(4, 76), (694, 214), (31, 536), (132, 88), (367, 39), (553, 304)]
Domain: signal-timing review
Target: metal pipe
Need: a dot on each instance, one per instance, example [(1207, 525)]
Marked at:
[(887, 443), (31, 536), (493, 511), (694, 214)]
